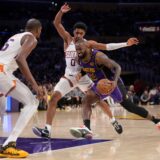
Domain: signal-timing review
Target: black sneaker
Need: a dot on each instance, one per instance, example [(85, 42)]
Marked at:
[(117, 127), (43, 133)]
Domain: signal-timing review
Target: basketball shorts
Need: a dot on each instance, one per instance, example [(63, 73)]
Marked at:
[(115, 95), (7, 81), (69, 82)]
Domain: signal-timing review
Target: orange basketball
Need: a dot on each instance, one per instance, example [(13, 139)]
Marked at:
[(104, 86)]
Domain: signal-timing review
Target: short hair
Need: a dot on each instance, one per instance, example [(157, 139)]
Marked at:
[(80, 25), (33, 24)]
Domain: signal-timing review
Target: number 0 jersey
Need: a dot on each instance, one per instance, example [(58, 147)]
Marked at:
[(72, 65)]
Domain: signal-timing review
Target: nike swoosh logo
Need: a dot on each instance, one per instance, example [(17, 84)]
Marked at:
[(44, 132)]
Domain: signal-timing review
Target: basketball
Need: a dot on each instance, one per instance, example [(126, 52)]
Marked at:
[(104, 86)]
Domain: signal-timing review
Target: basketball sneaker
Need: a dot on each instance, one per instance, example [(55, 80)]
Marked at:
[(81, 132), (43, 133), (117, 127), (10, 151)]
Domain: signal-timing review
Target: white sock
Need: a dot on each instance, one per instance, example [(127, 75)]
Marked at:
[(48, 127), (112, 120)]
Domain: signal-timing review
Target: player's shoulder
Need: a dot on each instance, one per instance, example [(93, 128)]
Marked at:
[(98, 52), (91, 41), (70, 41), (100, 55), (20, 36), (24, 33), (28, 36)]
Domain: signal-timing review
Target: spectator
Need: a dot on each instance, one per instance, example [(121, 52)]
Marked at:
[(154, 96), (145, 97), (132, 94)]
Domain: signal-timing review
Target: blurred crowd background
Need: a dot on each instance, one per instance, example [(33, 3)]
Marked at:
[(111, 21)]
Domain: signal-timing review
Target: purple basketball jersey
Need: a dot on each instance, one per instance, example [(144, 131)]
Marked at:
[(96, 73)]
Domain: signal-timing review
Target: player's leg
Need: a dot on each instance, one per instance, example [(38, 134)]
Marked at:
[(84, 85), (2, 106), (22, 93), (87, 111), (106, 109), (85, 131), (87, 102), (117, 97), (63, 87), (131, 107)]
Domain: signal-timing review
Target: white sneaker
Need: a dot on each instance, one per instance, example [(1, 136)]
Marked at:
[(81, 132)]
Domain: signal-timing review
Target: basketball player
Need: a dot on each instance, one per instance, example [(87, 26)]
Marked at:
[(69, 82), (13, 55), (92, 62)]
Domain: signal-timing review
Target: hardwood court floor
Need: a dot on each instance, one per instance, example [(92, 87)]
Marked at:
[(139, 141)]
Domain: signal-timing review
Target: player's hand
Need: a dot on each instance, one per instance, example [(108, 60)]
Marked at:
[(39, 92), (78, 76), (65, 8), (132, 41), (114, 84)]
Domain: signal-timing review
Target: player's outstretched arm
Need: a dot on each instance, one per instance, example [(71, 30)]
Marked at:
[(113, 46), (58, 22)]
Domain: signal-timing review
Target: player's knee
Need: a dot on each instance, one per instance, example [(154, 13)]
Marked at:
[(87, 99), (127, 104), (30, 108), (91, 98), (56, 96), (34, 101)]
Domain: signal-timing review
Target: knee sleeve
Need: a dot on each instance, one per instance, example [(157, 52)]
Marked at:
[(133, 108), (31, 106), (33, 102), (30, 109), (129, 105)]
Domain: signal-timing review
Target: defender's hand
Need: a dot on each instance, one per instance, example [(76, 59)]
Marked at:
[(78, 76), (65, 8), (39, 92), (132, 41)]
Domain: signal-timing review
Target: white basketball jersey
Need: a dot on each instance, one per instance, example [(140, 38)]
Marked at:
[(10, 50), (72, 66)]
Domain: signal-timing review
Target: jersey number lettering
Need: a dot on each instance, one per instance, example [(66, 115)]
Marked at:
[(6, 45), (73, 62)]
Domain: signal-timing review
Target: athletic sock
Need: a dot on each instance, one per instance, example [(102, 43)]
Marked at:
[(87, 123), (112, 120), (48, 127)]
